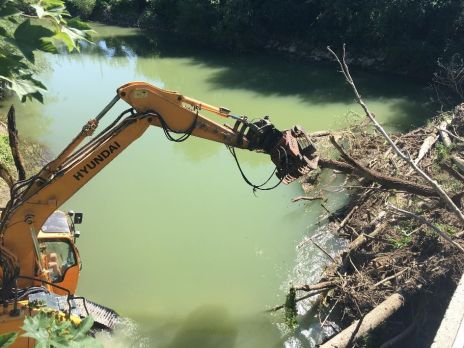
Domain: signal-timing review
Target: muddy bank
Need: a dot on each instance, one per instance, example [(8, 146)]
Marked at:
[(391, 253)]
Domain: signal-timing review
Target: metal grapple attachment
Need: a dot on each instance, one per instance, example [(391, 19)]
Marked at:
[(292, 151), (294, 155)]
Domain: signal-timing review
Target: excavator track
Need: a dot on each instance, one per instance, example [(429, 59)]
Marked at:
[(104, 317)]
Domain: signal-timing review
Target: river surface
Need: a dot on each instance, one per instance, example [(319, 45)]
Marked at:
[(172, 237)]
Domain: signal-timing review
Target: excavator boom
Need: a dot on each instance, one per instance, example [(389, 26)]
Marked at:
[(34, 200)]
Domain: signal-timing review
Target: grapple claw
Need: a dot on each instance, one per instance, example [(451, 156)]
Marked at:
[(292, 151), (294, 155)]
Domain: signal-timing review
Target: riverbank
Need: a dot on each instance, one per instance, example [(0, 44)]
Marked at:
[(33, 153), (390, 253)]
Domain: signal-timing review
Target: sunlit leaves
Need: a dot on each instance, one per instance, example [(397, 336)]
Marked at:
[(44, 28), (29, 38), (25, 87), (51, 330), (78, 24)]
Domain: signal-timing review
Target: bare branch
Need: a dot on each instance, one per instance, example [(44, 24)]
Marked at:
[(443, 195), (305, 198)]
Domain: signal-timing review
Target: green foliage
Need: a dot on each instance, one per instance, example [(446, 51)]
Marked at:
[(5, 152), (400, 242), (28, 26), (8, 339), (83, 7), (52, 330), (443, 151), (406, 35), (290, 309), (448, 229)]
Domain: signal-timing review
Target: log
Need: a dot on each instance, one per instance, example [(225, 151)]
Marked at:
[(318, 286), (447, 142), (14, 144), (347, 218), (370, 321), (444, 135), (425, 148), (386, 181), (319, 134), (361, 239)]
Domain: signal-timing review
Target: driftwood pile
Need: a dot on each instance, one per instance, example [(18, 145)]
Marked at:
[(405, 228), (405, 245)]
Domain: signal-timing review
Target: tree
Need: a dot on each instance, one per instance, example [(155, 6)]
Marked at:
[(27, 26)]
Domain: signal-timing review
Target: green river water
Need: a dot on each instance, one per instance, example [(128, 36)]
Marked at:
[(172, 237)]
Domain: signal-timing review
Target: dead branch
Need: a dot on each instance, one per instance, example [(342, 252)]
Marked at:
[(14, 144), (370, 321), (452, 172), (443, 195), (426, 222), (454, 136), (319, 134), (347, 218), (447, 142), (323, 250), (397, 274), (306, 198), (385, 180), (328, 314), (318, 286), (362, 238), (424, 149)]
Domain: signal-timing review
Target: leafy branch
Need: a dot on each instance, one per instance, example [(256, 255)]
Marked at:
[(30, 26)]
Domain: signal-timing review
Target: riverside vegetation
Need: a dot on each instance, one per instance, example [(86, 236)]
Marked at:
[(401, 36)]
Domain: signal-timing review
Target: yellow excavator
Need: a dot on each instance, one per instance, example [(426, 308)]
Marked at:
[(39, 260)]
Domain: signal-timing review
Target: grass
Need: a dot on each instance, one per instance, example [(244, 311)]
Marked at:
[(400, 242), (5, 152)]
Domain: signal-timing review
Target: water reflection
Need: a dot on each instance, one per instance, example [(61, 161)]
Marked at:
[(269, 76)]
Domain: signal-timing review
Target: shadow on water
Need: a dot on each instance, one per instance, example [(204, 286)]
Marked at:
[(206, 327), (210, 326), (313, 83)]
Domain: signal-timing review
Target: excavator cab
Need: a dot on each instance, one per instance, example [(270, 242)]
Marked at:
[(58, 252)]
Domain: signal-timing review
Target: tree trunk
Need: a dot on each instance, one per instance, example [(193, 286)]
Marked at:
[(369, 322), (14, 144)]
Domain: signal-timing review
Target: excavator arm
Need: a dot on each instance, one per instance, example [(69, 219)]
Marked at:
[(34, 200)]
